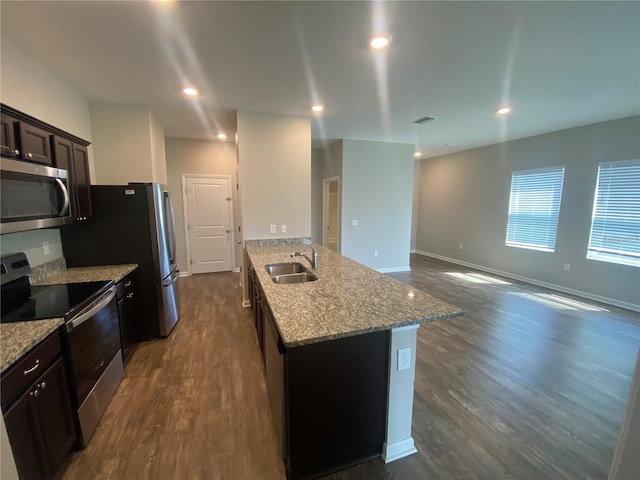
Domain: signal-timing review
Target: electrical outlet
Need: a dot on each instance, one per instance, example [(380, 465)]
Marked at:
[(354, 222), (404, 358), (375, 253), (461, 247), (566, 267), (45, 248), (283, 228), (272, 229)]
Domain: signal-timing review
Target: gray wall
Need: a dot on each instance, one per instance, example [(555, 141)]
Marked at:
[(377, 190), (464, 200), (317, 163), (203, 157)]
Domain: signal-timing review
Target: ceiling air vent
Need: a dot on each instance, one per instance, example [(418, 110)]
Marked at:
[(423, 120)]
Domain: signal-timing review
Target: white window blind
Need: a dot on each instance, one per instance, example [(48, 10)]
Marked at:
[(534, 205), (615, 225)]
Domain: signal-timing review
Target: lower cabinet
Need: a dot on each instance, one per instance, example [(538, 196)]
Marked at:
[(328, 399), (127, 313), (39, 423)]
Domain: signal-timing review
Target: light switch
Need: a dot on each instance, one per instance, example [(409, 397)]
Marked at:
[(272, 229), (284, 229), (354, 222), (404, 358)]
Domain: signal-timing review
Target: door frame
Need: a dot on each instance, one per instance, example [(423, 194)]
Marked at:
[(185, 214), (325, 222)]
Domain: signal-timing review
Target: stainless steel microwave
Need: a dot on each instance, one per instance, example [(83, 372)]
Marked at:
[(32, 196)]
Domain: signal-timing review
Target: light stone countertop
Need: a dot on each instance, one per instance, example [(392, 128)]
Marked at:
[(347, 299), (88, 274), (17, 338)]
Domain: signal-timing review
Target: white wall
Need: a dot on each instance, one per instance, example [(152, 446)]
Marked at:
[(29, 87), (158, 156), (464, 200), (377, 190), (414, 205), (206, 158), (274, 154), (128, 144)]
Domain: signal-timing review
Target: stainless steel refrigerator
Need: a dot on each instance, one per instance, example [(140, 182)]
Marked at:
[(133, 224)]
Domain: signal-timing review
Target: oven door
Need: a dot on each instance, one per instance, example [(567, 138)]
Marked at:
[(93, 338), (32, 196)]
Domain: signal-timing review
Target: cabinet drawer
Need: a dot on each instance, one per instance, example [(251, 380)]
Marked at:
[(124, 285), (26, 370)]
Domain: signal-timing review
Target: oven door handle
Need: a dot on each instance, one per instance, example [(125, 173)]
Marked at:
[(92, 309)]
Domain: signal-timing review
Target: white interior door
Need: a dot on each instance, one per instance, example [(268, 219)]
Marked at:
[(209, 224)]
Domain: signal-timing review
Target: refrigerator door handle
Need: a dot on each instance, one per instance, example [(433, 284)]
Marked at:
[(171, 227), (171, 280)]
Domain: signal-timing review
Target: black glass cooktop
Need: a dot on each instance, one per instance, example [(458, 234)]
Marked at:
[(50, 301)]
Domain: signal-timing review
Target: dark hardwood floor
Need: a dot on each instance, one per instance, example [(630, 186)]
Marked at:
[(529, 384)]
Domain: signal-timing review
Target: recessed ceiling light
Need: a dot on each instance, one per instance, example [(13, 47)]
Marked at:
[(190, 91), (417, 154), (379, 41), (222, 136), (317, 108), (503, 110)]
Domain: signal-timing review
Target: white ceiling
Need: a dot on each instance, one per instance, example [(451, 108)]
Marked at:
[(559, 64)]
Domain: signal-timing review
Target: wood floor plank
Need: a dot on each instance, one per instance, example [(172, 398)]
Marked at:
[(527, 385)]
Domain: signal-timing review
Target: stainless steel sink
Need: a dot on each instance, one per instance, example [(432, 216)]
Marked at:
[(294, 278), (285, 268)]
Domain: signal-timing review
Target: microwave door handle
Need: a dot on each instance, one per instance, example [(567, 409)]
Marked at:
[(65, 193)]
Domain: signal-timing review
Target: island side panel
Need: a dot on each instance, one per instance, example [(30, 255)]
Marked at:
[(336, 403), (399, 442)]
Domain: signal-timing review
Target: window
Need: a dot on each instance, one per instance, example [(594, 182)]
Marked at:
[(615, 225), (534, 205)]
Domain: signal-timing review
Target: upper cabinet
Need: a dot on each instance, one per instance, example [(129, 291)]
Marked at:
[(75, 159), (29, 139), (25, 140)]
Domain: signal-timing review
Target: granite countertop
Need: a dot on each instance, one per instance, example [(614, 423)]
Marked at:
[(347, 299), (87, 274), (18, 338)]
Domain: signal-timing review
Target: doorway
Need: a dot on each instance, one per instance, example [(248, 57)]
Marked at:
[(208, 222), (331, 214)]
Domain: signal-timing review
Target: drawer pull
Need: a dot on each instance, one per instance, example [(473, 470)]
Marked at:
[(32, 369), (130, 295), (35, 393), (127, 284)]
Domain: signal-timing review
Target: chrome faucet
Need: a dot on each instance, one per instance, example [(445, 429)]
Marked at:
[(314, 257)]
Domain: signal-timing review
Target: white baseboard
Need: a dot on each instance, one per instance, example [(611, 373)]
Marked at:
[(401, 449), (394, 269), (236, 270), (246, 303), (533, 281), (185, 274)]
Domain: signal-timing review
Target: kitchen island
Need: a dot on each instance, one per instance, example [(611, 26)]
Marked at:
[(338, 393)]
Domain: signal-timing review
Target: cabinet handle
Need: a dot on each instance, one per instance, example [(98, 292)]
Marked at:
[(43, 385), (32, 369), (130, 295), (127, 284), (16, 153), (35, 393), (28, 155)]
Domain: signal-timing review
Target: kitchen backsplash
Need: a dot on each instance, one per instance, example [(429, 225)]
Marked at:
[(274, 242), (46, 269)]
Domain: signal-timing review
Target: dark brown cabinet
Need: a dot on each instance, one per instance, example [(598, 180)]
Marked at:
[(25, 140), (39, 422), (35, 143), (8, 147), (328, 399), (127, 313), (74, 158)]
